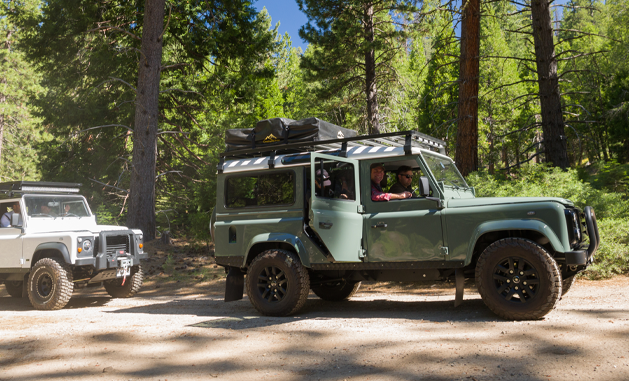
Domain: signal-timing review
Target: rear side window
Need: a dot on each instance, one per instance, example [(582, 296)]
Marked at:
[(260, 190)]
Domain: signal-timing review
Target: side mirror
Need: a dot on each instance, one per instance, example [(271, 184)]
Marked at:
[(424, 187), (15, 220)]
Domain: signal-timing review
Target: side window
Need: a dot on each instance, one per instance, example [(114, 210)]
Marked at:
[(261, 190), (335, 179)]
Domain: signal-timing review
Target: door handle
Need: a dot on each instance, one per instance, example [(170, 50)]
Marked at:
[(379, 225), (325, 225)]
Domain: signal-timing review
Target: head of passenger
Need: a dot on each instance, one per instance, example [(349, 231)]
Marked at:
[(45, 209), (16, 207), (405, 176), (377, 173)]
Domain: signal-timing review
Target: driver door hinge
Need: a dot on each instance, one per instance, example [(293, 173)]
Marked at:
[(445, 252), (22, 261), (361, 208)]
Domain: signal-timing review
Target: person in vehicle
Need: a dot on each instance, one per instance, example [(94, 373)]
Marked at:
[(5, 221), (45, 209), (404, 181), (377, 194)]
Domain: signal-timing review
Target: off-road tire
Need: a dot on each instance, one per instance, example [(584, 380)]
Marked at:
[(14, 288), (277, 283), (131, 286), (50, 284), (535, 274), (566, 284), (336, 291)]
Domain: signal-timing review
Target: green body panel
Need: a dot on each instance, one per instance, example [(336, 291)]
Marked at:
[(416, 229), (343, 234), (413, 231), (268, 224), (466, 224)]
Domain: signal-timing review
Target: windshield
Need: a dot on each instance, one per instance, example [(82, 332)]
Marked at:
[(444, 170), (55, 206)]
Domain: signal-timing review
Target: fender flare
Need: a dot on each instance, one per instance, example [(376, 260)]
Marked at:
[(499, 225), (57, 246), (287, 238)]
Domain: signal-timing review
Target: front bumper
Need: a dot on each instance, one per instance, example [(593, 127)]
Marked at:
[(106, 257), (585, 256)]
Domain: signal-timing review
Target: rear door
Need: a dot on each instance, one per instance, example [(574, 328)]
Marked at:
[(335, 200)]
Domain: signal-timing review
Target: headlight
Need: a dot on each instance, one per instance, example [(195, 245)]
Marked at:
[(574, 227), (87, 245)]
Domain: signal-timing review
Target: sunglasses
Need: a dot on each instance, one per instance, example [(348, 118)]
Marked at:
[(407, 176)]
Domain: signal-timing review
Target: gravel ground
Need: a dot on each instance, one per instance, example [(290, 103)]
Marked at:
[(184, 331)]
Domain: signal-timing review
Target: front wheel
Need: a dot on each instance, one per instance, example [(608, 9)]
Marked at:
[(14, 288), (336, 291), (277, 283), (518, 280), (50, 285), (131, 285)]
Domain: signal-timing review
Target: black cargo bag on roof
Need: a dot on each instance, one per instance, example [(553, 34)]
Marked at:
[(282, 130)]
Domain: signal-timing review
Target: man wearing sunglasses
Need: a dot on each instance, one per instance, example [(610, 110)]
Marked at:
[(404, 181)]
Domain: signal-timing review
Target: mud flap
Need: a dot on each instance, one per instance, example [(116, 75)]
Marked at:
[(234, 287), (25, 286), (459, 279)]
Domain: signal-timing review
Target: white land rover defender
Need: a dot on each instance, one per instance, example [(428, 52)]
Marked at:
[(53, 244)]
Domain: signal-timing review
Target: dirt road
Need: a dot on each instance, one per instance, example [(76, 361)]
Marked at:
[(387, 332)]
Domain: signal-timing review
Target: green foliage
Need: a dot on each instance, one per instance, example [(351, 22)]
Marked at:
[(612, 209), (20, 134), (612, 256)]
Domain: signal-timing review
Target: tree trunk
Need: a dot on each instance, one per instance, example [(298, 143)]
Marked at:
[(552, 118), (371, 92), (467, 134), (142, 193)]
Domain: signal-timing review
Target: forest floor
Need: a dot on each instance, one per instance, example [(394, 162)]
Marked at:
[(178, 328)]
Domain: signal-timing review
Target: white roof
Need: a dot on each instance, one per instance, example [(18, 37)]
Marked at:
[(355, 152)]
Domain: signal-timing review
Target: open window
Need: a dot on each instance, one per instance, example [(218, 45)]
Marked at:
[(334, 206)]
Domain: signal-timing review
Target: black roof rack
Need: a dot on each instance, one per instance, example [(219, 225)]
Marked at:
[(22, 187), (406, 139)]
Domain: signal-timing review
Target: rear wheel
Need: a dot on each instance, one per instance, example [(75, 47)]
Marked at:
[(50, 284), (518, 280), (277, 283), (336, 291), (131, 285), (14, 288)]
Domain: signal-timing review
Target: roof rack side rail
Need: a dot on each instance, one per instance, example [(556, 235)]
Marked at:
[(417, 139)]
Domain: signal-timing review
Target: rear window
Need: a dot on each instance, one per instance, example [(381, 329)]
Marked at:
[(261, 190)]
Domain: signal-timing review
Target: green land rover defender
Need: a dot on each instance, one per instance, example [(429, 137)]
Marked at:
[(295, 212)]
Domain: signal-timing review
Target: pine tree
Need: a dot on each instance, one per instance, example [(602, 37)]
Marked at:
[(19, 132), (353, 44)]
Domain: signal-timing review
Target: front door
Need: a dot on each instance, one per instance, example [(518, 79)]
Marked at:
[(334, 206), (10, 248)]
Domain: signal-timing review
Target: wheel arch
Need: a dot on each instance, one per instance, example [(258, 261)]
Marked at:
[(283, 241), (492, 231), (56, 250)]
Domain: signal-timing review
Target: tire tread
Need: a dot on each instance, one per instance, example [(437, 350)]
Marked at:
[(551, 269)]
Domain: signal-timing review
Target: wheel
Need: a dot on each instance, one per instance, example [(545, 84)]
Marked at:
[(14, 288), (50, 284), (517, 279), (277, 283), (131, 286), (566, 283), (337, 290)]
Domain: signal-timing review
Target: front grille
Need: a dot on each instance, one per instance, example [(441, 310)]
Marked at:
[(117, 243)]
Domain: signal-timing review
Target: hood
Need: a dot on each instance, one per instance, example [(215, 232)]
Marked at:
[(484, 201), (51, 225)]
